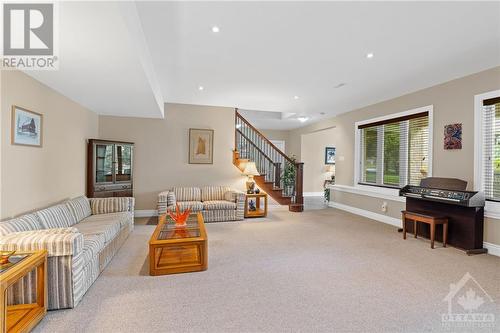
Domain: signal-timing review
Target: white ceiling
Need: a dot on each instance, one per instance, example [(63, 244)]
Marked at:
[(127, 60)]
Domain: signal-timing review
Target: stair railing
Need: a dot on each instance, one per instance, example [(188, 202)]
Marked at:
[(284, 172)]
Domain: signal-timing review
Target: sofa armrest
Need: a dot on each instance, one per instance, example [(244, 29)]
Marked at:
[(165, 200), (112, 205), (57, 242)]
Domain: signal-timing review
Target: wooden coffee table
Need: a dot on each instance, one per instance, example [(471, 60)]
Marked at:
[(23, 317), (178, 249)]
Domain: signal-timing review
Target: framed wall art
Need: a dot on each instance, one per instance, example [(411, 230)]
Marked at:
[(329, 155), (26, 127), (201, 146), (453, 136)]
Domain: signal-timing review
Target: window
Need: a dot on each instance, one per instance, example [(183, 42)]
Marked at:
[(395, 151), (491, 148)]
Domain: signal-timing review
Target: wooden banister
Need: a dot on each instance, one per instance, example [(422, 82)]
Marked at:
[(262, 136), (255, 146)]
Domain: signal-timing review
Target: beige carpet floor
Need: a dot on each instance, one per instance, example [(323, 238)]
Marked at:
[(319, 271)]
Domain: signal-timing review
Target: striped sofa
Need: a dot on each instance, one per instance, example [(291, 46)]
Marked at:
[(216, 203), (80, 235)]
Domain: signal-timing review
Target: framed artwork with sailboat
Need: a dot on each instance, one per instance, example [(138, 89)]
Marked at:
[(26, 128), (201, 146)]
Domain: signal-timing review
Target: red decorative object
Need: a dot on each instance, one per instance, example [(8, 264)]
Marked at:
[(178, 217)]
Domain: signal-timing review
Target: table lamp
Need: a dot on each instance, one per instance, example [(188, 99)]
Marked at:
[(250, 171)]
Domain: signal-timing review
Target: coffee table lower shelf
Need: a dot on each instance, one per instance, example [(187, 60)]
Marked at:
[(20, 317)]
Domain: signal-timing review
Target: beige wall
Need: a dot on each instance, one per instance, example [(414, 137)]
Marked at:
[(32, 177), (313, 155), (161, 149), (453, 103), (283, 135)]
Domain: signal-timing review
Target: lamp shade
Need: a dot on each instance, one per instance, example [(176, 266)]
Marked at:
[(250, 169)]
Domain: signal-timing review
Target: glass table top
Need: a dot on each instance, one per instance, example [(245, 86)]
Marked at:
[(13, 260), (170, 231)]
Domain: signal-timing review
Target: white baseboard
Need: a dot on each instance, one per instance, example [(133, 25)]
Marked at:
[(313, 194), (371, 215), (493, 249), (146, 213)]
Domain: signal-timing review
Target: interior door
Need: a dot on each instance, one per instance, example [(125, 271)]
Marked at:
[(280, 144)]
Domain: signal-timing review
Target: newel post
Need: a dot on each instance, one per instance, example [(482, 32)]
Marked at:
[(299, 183)]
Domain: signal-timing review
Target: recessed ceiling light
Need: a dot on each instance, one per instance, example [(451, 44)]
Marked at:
[(340, 85), (215, 28), (200, 88), (322, 113), (302, 119), (369, 55), (295, 97)]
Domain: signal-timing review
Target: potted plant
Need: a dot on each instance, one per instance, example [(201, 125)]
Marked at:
[(289, 175)]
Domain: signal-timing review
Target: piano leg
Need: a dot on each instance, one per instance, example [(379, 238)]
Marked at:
[(445, 233), (404, 227), (433, 234), (415, 227)]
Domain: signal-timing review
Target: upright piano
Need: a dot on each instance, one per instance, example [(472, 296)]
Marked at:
[(464, 209)]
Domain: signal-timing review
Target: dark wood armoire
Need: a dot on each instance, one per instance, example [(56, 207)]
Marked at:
[(109, 169)]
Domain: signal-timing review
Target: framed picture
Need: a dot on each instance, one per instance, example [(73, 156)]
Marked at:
[(453, 136), (26, 127), (201, 146), (330, 155)]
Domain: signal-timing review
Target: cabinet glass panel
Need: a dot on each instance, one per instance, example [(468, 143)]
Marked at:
[(104, 163), (123, 165)]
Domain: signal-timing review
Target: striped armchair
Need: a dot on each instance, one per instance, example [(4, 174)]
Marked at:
[(81, 237), (216, 203)]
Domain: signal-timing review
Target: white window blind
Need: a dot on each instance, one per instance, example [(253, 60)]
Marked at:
[(491, 148), (394, 152)]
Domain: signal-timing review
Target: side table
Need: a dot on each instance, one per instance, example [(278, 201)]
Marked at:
[(253, 205)]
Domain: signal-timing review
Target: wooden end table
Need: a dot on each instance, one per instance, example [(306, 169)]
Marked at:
[(23, 317), (259, 211), (178, 249)]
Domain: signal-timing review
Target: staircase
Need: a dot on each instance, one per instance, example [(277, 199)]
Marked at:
[(280, 176)]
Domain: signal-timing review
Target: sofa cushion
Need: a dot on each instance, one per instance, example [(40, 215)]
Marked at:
[(110, 205), (195, 206), (24, 223), (80, 207), (187, 193), (209, 193), (92, 245), (219, 205), (58, 216), (231, 196), (107, 225)]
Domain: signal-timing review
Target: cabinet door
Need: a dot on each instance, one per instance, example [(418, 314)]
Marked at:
[(103, 163), (123, 163)]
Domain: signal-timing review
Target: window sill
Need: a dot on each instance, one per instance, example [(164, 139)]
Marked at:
[(370, 191)]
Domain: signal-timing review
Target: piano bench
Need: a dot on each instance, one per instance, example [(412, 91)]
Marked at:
[(432, 220)]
